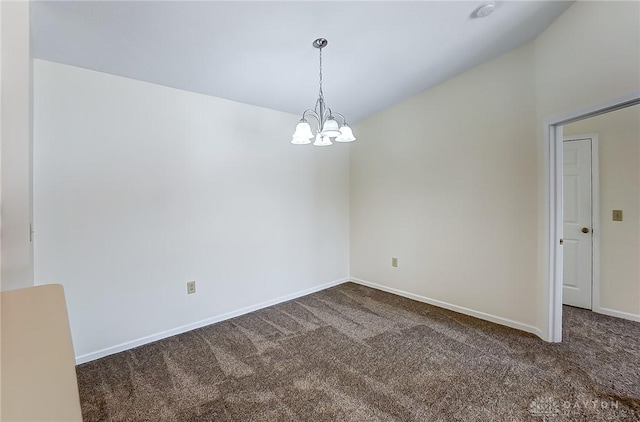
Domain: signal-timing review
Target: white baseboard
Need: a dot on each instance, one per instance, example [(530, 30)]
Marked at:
[(477, 314), (617, 314), (218, 318)]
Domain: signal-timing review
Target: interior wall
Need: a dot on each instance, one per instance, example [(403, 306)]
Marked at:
[(445, 181), (619, 179), (589, 55), (139, 188), (16, 261)]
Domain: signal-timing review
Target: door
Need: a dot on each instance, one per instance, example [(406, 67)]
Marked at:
[(577, 211)]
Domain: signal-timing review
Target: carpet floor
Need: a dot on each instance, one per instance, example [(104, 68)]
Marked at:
[(351, 353)]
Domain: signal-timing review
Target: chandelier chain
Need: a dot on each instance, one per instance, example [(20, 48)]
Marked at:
[(321, 93)]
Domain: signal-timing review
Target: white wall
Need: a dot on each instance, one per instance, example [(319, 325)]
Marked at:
[(445, 181), (619, 171), (15, 214), (453, 181), (139, 188), (590, 54)]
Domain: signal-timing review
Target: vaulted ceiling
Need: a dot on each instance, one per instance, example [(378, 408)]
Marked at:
[(260, 53)]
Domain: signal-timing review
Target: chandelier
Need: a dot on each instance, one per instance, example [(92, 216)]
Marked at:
[(327, 125)]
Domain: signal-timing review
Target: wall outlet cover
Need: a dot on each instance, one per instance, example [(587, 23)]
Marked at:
[(191, 287)]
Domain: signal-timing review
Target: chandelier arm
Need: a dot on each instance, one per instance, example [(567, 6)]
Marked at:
[(311, 113), (344, 120)]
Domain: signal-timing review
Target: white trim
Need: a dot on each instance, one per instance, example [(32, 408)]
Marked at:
[(552, 129), (218, 318), (613, 104), (595, 214), (618, 314), (460, 309), (556, 232), (595, 238)]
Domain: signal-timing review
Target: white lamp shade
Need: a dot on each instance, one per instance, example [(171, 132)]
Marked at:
[(322, 141), (300, 141), (346, 135), (330, 128), (303, 130)]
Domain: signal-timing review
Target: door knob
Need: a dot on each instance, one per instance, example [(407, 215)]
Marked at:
[(585, 230)]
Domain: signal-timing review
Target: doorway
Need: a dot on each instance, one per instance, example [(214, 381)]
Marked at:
[(554, 159)]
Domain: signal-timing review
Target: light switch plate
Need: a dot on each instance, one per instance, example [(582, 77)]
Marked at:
[(617, 215), (394, 262)]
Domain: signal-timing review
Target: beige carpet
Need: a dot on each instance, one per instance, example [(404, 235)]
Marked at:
[(351, 353)]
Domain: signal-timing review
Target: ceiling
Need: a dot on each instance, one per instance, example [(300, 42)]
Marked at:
[(260, 53)]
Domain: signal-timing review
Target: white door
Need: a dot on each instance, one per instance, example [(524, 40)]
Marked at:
[(577, 211)]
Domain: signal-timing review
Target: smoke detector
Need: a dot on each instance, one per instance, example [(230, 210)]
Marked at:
[(484, 10)]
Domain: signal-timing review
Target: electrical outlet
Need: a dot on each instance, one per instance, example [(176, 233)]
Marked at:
[(191, 287), (394, 262)]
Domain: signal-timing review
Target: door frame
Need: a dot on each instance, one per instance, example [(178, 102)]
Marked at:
[(595, 215), (553, 161)]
